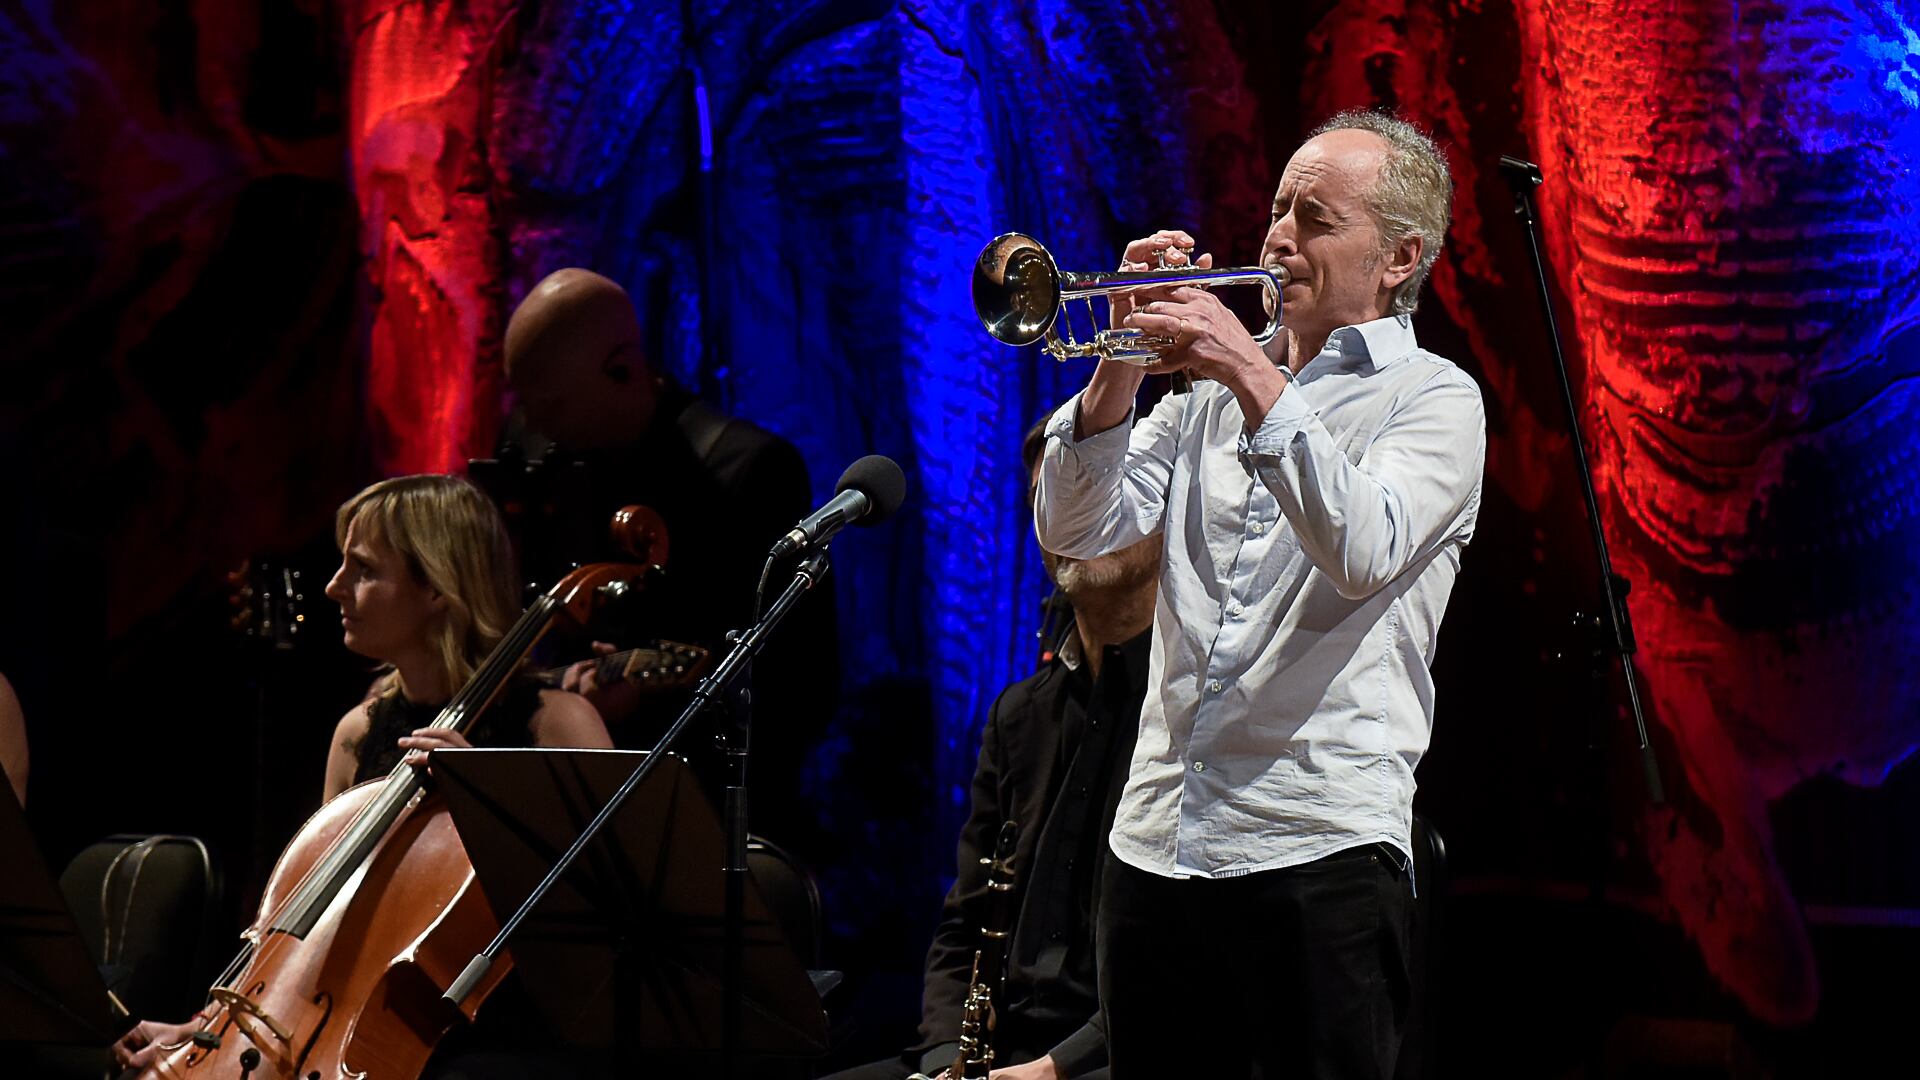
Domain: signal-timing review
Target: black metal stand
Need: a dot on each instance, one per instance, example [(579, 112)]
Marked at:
[(745, 646), (737, 738), (625, 958), (1523, 177)]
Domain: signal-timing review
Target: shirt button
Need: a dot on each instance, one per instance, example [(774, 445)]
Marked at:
[(1213, 686), (1235, 609), (1259, 527), (1199, 766)]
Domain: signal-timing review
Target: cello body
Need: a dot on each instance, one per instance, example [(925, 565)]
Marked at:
[(359, 995)]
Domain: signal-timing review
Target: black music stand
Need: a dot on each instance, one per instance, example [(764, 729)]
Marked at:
[(50, 992), (629, 947)]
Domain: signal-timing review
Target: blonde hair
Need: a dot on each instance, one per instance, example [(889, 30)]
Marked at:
[(455, 543)]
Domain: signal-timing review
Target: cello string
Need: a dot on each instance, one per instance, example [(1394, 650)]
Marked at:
[(269, 940), (394, 795), (401, 783)]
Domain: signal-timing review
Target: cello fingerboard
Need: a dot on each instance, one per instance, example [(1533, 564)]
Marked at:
[(331, 874)]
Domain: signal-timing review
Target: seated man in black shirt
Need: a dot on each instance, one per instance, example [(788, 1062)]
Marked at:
[(1053, 757), (604, 429)]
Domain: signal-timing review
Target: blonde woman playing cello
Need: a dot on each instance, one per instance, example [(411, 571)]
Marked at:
[(426, 587)]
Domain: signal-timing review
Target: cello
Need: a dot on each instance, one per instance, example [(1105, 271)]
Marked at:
[(373, 908)]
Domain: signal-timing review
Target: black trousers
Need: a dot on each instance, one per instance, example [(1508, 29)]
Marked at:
[(1300, 972)]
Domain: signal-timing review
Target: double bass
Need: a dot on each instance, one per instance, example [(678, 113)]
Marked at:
[(373, 909)]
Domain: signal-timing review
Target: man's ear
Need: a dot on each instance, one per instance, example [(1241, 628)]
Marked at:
[(1402, 261), (624, 363)]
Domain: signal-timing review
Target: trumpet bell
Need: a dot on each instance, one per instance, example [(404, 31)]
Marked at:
[(1020, 295), (1016, 289)]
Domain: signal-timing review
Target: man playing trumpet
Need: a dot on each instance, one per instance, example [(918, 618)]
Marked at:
[(1315, 497)]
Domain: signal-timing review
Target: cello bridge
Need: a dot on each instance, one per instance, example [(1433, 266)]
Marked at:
[(243, 1012)]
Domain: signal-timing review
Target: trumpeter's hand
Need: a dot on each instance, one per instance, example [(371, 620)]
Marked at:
[(1209, 341), (1207, 338), (1168, 249)]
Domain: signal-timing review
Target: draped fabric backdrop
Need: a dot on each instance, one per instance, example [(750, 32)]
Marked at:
[(259, 253)]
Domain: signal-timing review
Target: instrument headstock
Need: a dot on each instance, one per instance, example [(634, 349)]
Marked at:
[(656, 667), (662, 665), (266, 602), (584, 590), (641, 533)]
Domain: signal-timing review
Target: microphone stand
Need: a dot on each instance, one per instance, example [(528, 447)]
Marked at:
[(1523, 177), (736, 742), (812, 568)]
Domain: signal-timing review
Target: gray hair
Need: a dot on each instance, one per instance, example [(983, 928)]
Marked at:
[(1412, 197)]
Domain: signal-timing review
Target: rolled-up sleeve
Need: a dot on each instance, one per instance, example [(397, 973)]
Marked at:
[(1415, 487), (1103, 492)]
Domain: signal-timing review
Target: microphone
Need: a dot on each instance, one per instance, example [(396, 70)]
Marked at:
[(870, 490)]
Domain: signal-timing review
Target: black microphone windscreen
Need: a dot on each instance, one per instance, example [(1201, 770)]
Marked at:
[(878, 478)]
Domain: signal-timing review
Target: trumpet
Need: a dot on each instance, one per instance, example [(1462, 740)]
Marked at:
[(1021, 296)]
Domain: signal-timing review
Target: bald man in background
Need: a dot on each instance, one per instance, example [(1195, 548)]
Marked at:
[(610, 430)]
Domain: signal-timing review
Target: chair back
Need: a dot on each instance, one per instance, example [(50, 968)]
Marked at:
[(146, 906), (791, 894)]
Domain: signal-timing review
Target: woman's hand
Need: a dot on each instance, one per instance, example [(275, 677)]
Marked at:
[(140, 1047), (425, 740)]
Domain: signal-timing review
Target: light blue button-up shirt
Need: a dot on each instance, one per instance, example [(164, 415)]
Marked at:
[(1306, 569)]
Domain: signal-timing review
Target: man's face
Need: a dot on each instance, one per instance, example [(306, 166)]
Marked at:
[(590, 392), (1324, 235), (574, 358)]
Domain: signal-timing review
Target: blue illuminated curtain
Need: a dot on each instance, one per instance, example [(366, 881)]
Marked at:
[(862, 156)]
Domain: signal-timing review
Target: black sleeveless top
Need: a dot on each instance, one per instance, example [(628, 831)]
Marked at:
[(391, 716)]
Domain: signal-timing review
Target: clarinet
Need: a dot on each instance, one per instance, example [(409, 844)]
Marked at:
[(977, 1019)]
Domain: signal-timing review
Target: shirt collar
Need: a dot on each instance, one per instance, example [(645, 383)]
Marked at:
[(1069, 652), (1379, 342), (1134, 651)]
